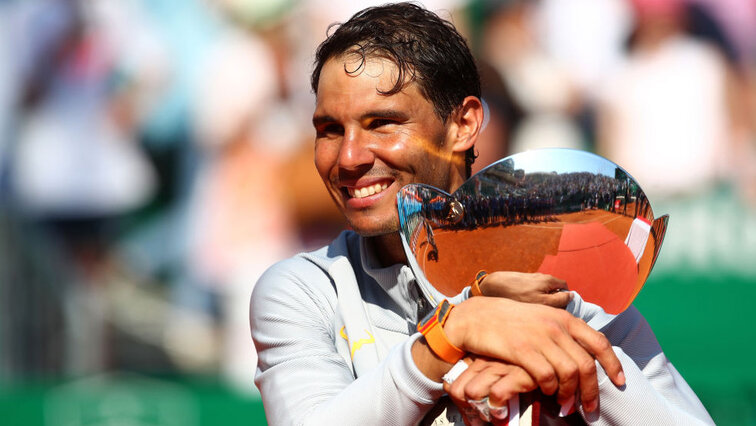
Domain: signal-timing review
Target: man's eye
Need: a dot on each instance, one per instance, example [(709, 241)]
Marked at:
[(380, 122), (329, 130)]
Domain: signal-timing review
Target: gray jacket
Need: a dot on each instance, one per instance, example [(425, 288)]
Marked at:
[(333, 333)]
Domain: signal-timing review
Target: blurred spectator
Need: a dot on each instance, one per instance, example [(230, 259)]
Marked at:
[(239, 222), (736, 20), (666, 115), (76, 168), (503, 116), (77, 155), (538, 83), (586, 37)]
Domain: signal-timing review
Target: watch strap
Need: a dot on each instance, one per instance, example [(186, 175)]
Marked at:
[(475, 286), (433, 330)]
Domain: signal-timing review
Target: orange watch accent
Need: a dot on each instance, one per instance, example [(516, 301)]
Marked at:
[(475, 286), (432, 327)]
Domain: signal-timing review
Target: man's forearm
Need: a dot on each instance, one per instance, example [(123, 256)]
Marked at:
[(304, 372), (395, 389), (427, 361)]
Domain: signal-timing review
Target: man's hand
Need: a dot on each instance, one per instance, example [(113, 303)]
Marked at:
[(556, 349), (530, 288), (492, 379)]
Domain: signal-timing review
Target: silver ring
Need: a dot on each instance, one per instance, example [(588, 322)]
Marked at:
[(481, 405), (500, 413)]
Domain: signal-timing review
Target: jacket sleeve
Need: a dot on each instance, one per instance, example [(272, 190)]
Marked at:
[(302, 377), (654, 391)]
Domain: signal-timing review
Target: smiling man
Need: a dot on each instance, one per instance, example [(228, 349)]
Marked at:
[(370, 143), (398, 102)]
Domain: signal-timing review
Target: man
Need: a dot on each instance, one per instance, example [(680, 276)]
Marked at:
[(398, 102)]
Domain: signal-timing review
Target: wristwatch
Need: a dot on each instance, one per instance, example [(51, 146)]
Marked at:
[(475, 286), (432, 327)]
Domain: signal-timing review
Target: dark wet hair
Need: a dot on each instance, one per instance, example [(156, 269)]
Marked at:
[(426, 49)]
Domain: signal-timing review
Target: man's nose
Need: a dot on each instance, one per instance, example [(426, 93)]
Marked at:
[(356, 150)]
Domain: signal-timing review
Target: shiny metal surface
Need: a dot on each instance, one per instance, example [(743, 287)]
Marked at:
[(568, 213)]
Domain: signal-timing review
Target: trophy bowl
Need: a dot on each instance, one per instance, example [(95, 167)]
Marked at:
[(567, 213)]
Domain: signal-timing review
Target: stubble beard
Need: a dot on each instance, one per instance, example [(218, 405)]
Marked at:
[(387, 227)]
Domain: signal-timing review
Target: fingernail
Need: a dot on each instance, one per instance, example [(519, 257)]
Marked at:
[(499, 413), (567, 407), (590, 406), (621, 378)]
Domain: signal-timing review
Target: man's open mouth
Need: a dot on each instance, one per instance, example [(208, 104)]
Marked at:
[(367, 191)]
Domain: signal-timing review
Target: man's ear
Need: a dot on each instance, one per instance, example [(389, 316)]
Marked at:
[(468, 121)]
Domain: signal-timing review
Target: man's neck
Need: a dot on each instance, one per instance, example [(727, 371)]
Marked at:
[(388, 249)]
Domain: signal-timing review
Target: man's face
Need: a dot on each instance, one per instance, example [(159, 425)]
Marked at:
[(369, 145)]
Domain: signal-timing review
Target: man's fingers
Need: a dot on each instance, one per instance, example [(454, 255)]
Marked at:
[(556, 283), (565, 365), (514, 382), (540, 369), (599, 346), (586, 374), (471, 390), (560, 299), (479, 387), (456, 390)]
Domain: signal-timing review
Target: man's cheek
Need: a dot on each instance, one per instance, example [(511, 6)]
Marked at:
[(323, 163)]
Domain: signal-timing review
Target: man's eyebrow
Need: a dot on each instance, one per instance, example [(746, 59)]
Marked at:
[(391, 114), (322, 119)]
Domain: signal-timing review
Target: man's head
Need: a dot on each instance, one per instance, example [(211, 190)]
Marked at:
[(426, 49), (397, 102)]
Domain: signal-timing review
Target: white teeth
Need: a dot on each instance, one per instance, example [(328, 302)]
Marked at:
[(367, 190)]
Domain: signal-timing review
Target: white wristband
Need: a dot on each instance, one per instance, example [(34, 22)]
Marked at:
[(455, 371)]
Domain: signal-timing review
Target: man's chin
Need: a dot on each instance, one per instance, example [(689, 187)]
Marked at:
[(368, 234), (374, 229)]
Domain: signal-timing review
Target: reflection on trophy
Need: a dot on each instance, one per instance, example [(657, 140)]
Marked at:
[(567, 213), (456, 211)]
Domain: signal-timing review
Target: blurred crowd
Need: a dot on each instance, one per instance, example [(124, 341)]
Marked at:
[(156, 155)]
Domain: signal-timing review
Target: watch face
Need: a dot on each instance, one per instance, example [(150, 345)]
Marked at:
[(435, 316), (428, 318), (443, 309)]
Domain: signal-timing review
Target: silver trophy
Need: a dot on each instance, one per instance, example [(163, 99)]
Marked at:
[(567, 213)]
